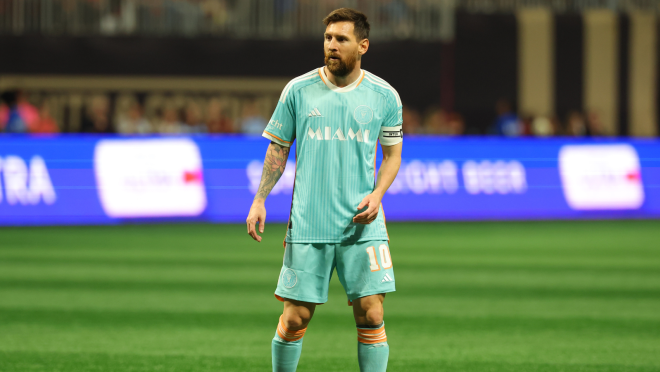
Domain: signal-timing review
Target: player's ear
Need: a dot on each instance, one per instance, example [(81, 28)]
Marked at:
[(363, 46)]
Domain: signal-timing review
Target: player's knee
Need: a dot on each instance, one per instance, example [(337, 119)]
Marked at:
[(375, 315), (294, 320)]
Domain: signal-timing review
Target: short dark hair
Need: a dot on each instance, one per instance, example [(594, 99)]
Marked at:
[(360, 25)]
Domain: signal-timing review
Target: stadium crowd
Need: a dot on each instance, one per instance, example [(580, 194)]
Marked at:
[(190, 17), (249, 115)]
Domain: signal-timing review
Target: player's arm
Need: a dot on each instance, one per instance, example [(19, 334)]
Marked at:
[(274, 164), (386, 175)]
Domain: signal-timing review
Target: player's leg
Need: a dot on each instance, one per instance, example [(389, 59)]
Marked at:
[(287, 343), (373, 350), (303, 284), (365, 270)]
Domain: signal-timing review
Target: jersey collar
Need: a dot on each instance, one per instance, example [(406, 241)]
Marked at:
[(337, 89)]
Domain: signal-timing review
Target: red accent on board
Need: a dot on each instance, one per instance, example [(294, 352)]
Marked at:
[(192, 176)]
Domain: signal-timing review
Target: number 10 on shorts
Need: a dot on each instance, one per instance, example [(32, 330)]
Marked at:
[(385, 258)]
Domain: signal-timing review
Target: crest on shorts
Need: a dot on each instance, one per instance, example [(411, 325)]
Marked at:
[(363, 114), (289, 278)]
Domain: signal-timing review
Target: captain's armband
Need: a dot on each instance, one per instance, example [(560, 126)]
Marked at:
[(390, 136)]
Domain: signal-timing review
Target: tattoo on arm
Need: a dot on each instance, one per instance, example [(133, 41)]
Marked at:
[(274, 165)]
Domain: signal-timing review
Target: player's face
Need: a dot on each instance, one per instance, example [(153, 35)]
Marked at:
[(342, 50)]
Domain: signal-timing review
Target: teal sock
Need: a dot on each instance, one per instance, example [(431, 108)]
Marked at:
[(373, 350), (286, 348), (286, 354)]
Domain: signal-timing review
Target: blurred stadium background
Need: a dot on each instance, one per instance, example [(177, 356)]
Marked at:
[(523, 223)]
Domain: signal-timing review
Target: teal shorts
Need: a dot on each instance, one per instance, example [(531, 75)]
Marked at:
[(363, 269)]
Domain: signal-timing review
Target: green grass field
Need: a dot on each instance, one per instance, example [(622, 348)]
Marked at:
[(491, 297)]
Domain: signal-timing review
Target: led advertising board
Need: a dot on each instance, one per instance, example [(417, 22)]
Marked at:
[(109, 180)]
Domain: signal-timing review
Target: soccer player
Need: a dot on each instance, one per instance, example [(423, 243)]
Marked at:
[(337, 113)]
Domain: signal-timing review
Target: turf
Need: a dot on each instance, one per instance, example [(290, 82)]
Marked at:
[(491, 297)]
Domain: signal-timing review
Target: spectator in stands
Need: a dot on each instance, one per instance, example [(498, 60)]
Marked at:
[(438, 121), (216, 120), (133, 121), (13, 121), (28, 111), (435, 121), (4, 112), (557, 128), (252, 122), (455, 124), (35, 120), (110, 21), (169, 122), (193, 123), (46, 124), (594, 124), (394, 14), (541, 126), (120, 17), (97, 116), (576, 125), (216, 13), (507, 122), (526, 124)]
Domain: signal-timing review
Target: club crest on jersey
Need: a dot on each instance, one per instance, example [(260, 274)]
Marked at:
[(289, 278), (363, 114)]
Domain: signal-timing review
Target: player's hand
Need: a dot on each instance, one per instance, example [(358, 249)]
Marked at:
[(372, 202), (257, 215)]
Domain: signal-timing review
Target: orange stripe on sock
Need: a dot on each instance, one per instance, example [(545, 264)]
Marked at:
[(287, 335), (372, 331), (371, 342), (374, 337), (371, 335)]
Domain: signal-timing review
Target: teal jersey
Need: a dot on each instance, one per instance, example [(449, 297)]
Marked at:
[(337, 132)]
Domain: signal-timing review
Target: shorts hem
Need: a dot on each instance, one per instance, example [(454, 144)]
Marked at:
[(282, 297), (325, 241), (369, 293)]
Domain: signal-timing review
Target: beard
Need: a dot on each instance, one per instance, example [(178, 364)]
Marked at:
[(341, 67)]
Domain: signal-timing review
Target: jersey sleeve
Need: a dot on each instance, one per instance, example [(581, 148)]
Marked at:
[(391, 131), (281, 128)]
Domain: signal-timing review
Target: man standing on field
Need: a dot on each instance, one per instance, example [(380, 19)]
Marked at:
[(338, 113)]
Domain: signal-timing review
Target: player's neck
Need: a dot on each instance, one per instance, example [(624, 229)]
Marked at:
[(343, 81)]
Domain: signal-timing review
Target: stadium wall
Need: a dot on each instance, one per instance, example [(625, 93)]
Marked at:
[(152, 57), (113, 180)]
